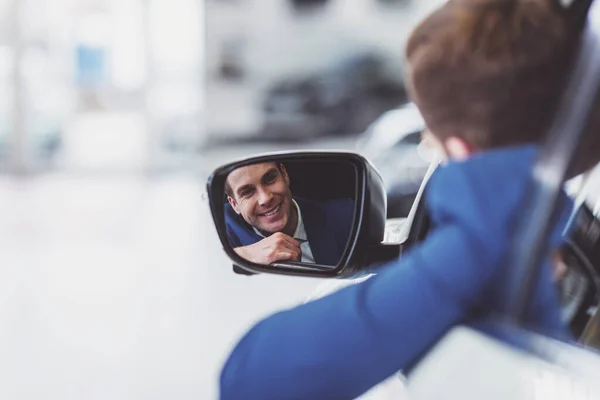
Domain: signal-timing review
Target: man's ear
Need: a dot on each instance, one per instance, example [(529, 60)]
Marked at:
[(233, 204), (457, 148), (285, 175)]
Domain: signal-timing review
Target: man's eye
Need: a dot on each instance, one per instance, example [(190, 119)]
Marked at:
[(246, 193), (270, 178)]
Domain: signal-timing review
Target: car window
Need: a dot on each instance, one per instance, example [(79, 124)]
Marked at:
[(586, 188)]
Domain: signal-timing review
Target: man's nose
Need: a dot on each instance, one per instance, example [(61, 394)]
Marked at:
[(264, 197)]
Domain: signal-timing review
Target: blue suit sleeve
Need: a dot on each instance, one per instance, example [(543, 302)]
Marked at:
[(341, 345)]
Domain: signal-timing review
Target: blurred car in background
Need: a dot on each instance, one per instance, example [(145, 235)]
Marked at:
[(343, 100), (393, 144)]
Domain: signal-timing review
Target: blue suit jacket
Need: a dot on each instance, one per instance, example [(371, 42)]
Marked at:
[(327, 224), (342, 344)]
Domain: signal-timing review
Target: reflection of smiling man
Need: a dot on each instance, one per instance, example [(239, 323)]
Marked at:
[(266, 224)]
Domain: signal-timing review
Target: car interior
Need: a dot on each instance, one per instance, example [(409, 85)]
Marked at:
[(336, 180)]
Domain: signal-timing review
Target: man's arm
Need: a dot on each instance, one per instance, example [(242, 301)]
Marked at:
[(343, 344)]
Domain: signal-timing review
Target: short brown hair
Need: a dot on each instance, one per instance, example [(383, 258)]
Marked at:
[(493, 71), (229, 191)]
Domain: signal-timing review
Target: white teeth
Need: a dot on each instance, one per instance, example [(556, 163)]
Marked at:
[(272, 212)]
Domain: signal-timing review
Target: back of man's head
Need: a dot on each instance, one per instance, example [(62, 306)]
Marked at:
[(492, 72)]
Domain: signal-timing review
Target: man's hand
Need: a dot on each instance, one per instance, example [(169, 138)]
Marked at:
[(276, 247)]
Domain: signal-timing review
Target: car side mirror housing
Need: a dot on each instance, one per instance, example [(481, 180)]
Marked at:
[(304, 213)]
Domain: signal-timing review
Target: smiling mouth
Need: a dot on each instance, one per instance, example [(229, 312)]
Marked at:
[(271, 213)]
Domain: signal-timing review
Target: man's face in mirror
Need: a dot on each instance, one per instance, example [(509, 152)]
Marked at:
[(260, 193)]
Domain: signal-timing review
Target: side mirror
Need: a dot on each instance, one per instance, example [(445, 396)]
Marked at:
[(307, 213)]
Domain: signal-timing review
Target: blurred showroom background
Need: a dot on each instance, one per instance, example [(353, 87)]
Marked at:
[(113, 113)]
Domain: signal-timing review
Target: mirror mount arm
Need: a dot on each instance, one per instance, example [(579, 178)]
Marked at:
[(241, 271)]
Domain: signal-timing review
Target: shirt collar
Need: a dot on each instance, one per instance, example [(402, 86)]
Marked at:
[(300, 233)]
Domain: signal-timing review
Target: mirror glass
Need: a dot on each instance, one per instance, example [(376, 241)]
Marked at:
[(291, 211)]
